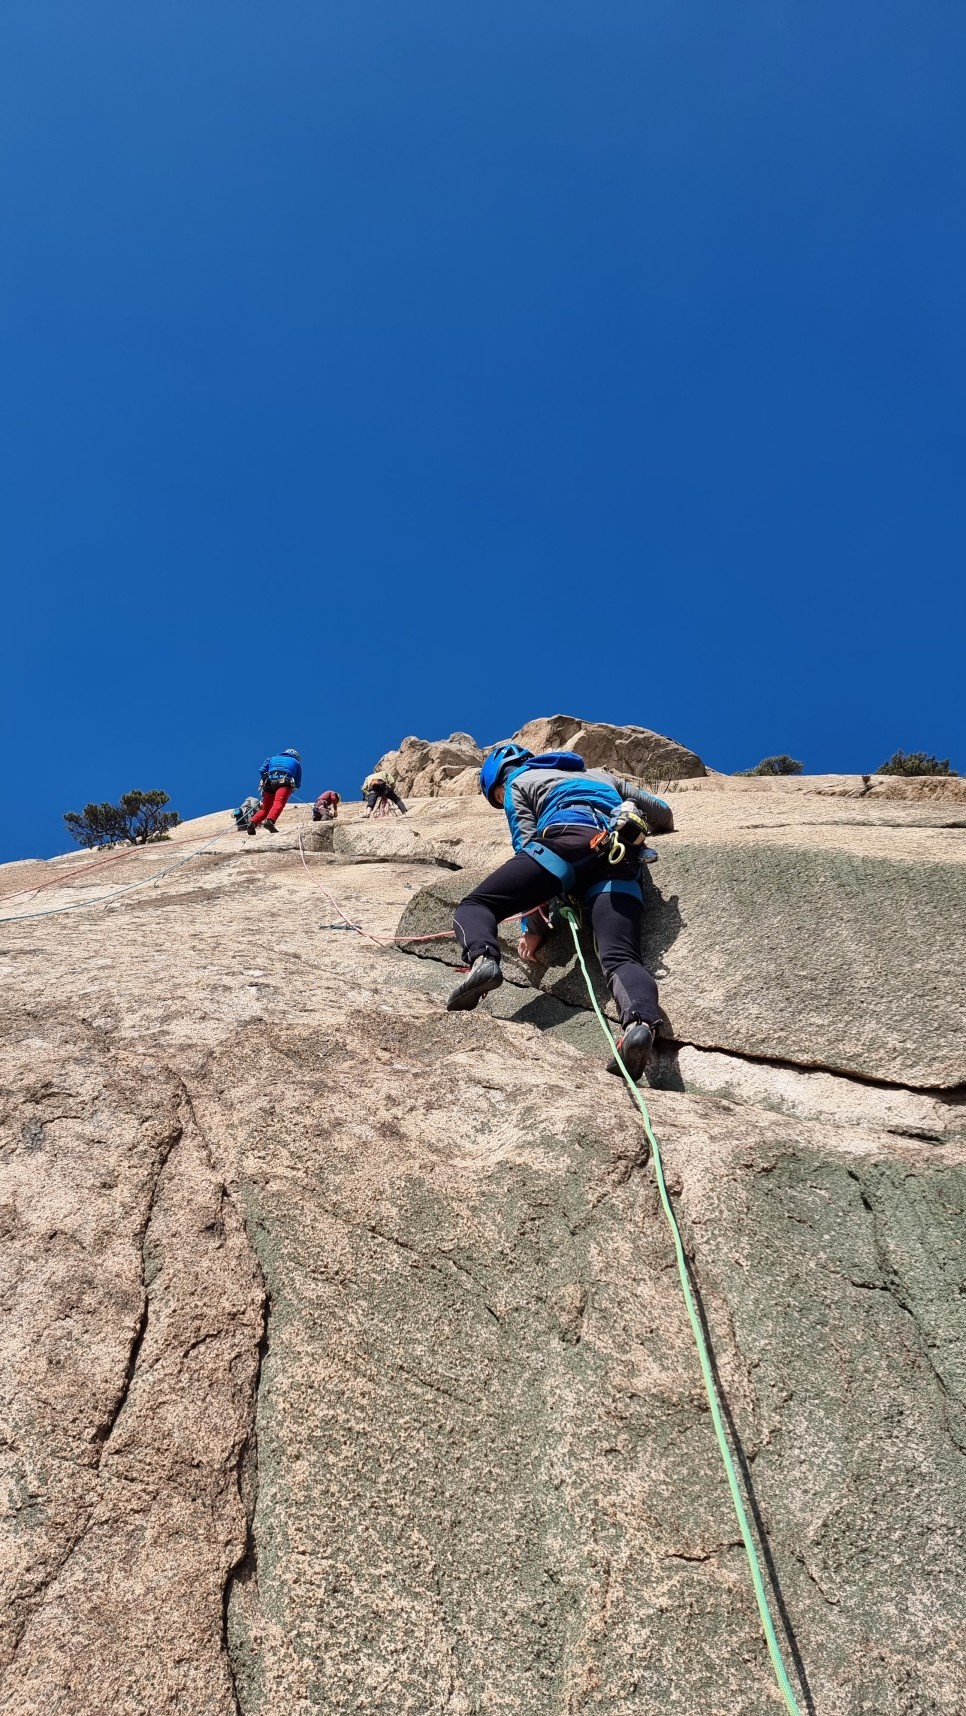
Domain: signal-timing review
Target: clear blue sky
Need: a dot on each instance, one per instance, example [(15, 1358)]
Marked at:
[(374, 368)]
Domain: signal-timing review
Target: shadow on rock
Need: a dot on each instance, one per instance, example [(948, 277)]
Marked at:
[(663, 924), (664, 1072)]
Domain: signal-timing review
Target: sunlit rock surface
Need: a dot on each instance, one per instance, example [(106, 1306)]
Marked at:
[(344, 1365)]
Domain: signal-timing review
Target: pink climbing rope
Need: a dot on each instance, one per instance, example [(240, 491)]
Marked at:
[(393, 940), (380, 940), (65, 878)]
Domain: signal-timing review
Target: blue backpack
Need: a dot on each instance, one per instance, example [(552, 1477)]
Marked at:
[(557, 760)]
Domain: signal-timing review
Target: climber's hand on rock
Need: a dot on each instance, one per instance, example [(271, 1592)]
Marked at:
[(528, 946)]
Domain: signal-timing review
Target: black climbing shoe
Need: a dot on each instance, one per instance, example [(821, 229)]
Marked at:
[(253, 828), (269, 824), (634, 1048), (484, 975)]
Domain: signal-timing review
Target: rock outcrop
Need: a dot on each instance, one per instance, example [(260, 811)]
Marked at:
[(449, 768), (634, 751), (435, 768), (343, 1365)]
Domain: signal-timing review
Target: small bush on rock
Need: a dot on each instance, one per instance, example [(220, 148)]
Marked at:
[(783, 765), (138, 818), (915, 763)]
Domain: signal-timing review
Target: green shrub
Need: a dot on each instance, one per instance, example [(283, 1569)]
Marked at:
[(783, 765), (915, 763), (138, 818)]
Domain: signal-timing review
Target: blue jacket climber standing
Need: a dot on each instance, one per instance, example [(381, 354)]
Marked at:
[(281, 775), (568, 825)]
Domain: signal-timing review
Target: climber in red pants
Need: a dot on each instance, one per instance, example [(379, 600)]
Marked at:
[(281, 775)]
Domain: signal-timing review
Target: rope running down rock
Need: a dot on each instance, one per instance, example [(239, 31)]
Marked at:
[(115, 893), (768, 1626)]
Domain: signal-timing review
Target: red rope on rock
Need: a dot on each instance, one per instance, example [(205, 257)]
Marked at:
[(392, 940)]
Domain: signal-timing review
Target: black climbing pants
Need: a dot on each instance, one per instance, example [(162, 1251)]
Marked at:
[(376, 793), (522, 884)]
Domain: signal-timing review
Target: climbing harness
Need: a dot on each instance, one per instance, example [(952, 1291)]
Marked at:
[(566, 874), (613, 885), (768, 1626), (627, 827)]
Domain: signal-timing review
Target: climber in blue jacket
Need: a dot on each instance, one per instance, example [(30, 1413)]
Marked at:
[(281, 775), (565, 824)]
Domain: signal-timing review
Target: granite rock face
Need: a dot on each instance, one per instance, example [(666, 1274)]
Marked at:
[(129, 1361), (344, 1366)]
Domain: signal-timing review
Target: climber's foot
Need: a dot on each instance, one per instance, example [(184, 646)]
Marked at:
[(484, 975), (634, 1048), (269, 824), (253, 828)]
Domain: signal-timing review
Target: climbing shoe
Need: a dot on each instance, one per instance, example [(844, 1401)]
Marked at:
[(269, 824), (253, 828), (484, 975), (634, 1048)]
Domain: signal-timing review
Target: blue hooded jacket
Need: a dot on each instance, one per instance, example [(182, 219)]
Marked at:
[(279, 765)]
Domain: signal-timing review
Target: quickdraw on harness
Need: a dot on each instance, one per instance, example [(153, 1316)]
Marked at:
[(627, 827)]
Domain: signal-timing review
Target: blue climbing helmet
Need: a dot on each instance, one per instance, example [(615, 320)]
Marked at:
[(290, 753), (498, 765)]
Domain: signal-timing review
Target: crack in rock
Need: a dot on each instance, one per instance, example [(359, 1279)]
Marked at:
[(105, 1430)]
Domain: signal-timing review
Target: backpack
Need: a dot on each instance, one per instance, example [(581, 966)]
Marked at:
[(557, 760), (245, 812)]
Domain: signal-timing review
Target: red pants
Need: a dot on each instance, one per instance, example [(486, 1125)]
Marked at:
[(274, 800)]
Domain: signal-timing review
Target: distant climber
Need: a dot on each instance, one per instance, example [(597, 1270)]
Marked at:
[(281, 776), (245, 812), (568, 825), (326, 807), (378, 788)]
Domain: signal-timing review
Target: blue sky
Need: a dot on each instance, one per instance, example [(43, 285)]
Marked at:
[(374, 369)]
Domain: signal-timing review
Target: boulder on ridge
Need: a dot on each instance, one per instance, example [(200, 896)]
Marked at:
[(449, 768), (434, 768), (635, 751)]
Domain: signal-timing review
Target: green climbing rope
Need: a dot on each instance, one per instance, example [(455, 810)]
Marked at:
[(768, 1626)]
